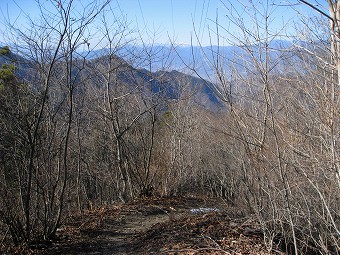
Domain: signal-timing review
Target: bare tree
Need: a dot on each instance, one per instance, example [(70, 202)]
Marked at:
[(260, 104), (50, 49)]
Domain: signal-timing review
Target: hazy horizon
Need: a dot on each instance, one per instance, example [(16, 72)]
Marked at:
[(189, 22)]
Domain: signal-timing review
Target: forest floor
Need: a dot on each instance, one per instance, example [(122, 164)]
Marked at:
[(170, 225)]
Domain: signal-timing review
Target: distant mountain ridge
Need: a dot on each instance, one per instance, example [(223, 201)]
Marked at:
[(186, 58), (170, 68), (169, 83)]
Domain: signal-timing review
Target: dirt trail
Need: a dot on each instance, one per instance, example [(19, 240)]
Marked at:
[(118, 229), (157, 226)]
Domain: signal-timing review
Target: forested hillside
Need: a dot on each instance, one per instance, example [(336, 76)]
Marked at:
[(81, 131)]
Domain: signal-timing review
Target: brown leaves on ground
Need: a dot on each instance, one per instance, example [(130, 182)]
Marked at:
[(212, 233), (156, 226)]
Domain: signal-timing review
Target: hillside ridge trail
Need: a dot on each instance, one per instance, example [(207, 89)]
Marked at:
[(118, 229), (160, 225)]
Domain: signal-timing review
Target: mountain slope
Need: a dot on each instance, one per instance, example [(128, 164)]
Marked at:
[(167, 84)]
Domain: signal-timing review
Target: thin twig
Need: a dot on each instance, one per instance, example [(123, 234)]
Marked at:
[(4, 236), (196, 250)]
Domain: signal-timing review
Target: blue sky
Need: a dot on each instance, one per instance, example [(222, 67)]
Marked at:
[(169, 18)]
